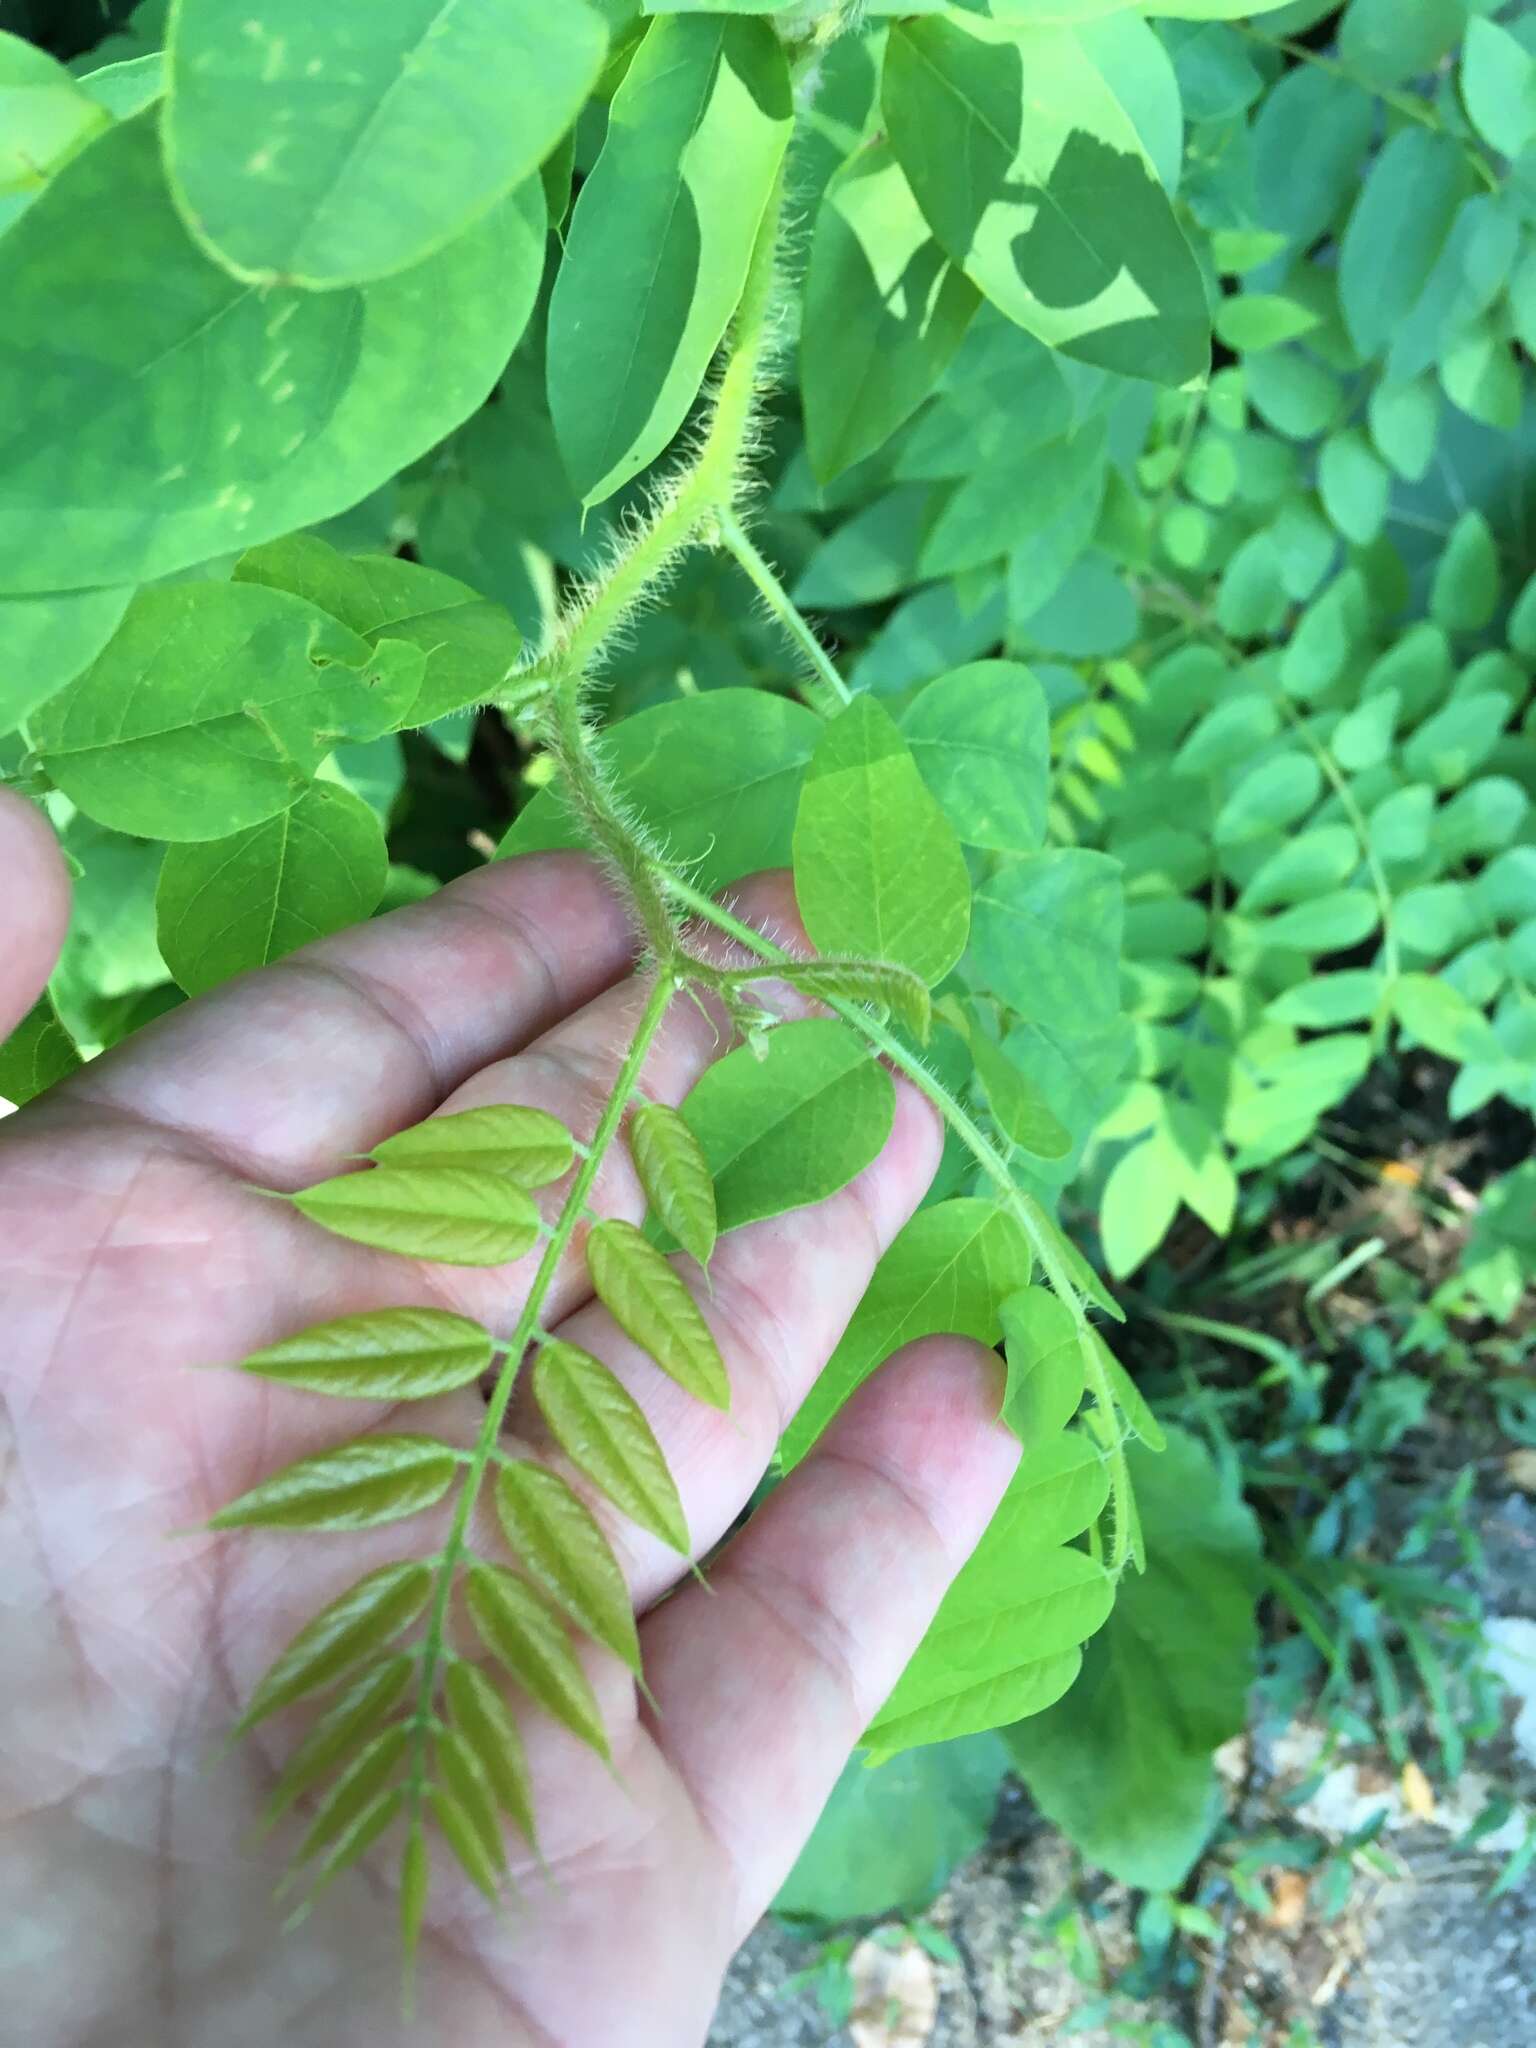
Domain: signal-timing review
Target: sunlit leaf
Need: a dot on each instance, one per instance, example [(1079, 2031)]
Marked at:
[(675, 1176), (383, 1354), (519, 1630), (457, 1216), (1045, 1363), (372, 1479), (651, 1303), (528, 1145), (603, 1431), (561, 1547)]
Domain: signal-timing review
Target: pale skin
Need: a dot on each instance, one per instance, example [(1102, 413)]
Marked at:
[(135, 1259)]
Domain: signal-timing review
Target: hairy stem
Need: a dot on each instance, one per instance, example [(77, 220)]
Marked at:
[(528, 1323), (785, 610), (991, 1162)]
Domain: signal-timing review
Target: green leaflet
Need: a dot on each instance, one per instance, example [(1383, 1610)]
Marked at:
[(715, 778), (1139, 1419), (675, 1176), (651, 1303), (457, 1216), (469, 645), (467, 1787), (382, 1354), (45, 117), (604, 1433), (657, 247), (519, 1630), (46, 640), (38, 1052), (792, 1126), (330, 147), (1046, 937), (562, 1548), (373, 1479), (1045, 1364), (1395, 232), (485, 1723), (1056, 215), (349, 1721), (884, 312), (1018, 1106), (949, 1270), (463, 1838), (981, 739), (152, 449), (415, 1882), (211, 707), (224, 905), (1498, 86), (529, 1146), (1004, 1643), (354, 1800), (878, 869), (358, 1622), (1124, 1761)]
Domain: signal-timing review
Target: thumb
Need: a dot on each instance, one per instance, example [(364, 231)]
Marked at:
[(34, 907)]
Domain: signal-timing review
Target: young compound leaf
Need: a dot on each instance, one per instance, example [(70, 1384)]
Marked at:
[(528, 1145), (1045, 1364), (224, 905), (455, 1216), (650, 1303), (330, 147), (657, 247), (519, 1630), (794, 1125), (484, 1720), (604, 1433), (236, 415), (675, 1176), (884, 312), (1036, 181), (358, 1622), (370, 1480), (468, 1787), (562, 1549), (345, 1724), (383, 1354), (353, 1795), (878, 869)]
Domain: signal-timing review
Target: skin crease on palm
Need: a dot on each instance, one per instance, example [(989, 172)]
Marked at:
[(134, 1258)]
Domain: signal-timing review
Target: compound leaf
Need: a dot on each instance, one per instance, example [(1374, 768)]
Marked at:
[(453, 1215), (651, 1303), (604, 1433), (382, 1354)]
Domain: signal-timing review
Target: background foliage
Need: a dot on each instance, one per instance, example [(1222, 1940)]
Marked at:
[(1149, 438)]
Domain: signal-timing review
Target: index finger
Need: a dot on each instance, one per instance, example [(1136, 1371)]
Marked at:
[(285, 1071)]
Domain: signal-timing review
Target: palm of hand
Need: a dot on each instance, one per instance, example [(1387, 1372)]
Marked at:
[(132, 1249)]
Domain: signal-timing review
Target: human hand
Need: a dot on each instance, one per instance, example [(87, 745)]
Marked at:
[(132, 1248)]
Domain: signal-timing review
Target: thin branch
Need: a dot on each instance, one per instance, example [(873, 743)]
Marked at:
[(778, 600)]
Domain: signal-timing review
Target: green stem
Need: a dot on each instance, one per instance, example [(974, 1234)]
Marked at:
[(991, 1162), (571, 1212), (784, 608)]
